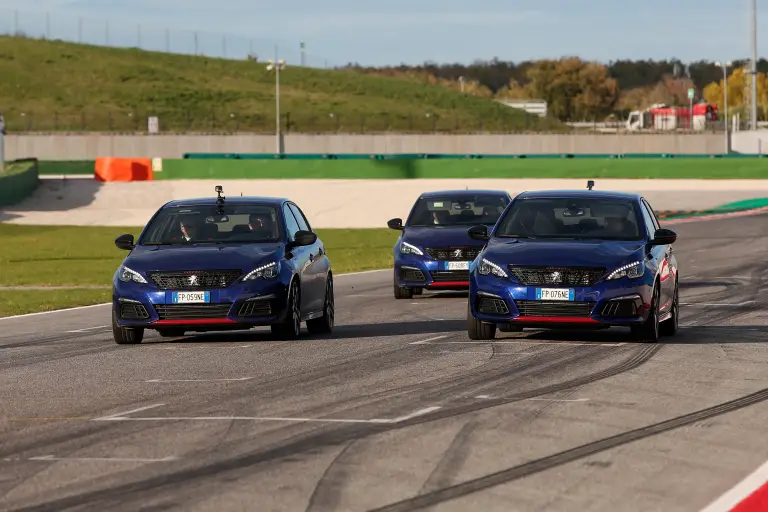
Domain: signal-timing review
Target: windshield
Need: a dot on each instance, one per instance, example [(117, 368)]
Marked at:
[(457, 210), (576, 218), (209, 224)]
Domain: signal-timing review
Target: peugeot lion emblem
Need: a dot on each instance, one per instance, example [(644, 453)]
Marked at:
[(555, 276), (192, 280), (457, 253)]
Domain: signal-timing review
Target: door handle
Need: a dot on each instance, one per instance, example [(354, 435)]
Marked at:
[(311, 257)]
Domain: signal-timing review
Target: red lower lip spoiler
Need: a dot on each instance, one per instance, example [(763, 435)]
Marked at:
[(196, 321), (448, 283), (556, 319)]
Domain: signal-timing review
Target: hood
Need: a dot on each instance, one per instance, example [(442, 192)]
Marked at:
[(561, 253), (201, 256), (439, 236)]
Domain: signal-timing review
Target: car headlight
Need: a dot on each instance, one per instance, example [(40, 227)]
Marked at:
[(268, 271), (125, 274), (406, 248), (632, 271), (486, 267)]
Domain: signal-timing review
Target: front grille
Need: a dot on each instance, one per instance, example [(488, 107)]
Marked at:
[(563, 276), (620, 308), (407, 274), (192, 311), (554, 308), (464, 253), (444, 276), (490, 306), (194, 279), (261, 307), (133, 312)]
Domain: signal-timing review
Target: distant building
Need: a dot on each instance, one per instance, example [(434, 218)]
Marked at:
[(535, 107)]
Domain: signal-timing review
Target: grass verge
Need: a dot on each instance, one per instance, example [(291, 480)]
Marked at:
[(87, 256), (116, 89)]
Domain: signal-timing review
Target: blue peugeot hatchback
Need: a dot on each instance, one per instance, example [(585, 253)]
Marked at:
[(434, 250), (575, 259), (217, 264)]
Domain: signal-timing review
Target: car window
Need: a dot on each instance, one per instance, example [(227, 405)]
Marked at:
[(290, 221), (300, 218), (457, 210), (249, 223), (649, 220), (656, 223), (579, 218)]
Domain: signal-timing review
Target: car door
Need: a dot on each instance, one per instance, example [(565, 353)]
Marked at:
[(299, 256), (662, 255), (318, 264)]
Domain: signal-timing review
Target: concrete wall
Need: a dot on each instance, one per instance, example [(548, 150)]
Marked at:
[(90, 146), (750, 142)]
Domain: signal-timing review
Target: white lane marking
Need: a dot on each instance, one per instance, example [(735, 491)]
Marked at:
[(120, 415), (559, 399), (89, 329), (428, 340), (718, 304), (483, 397), (239, 379), (486, 352), (109, 303), (102, 459), (588, 344), (740, 491), (420, 412), (125, 417), (55, 311)]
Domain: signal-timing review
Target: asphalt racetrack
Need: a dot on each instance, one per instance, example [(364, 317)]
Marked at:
[(398, 410)]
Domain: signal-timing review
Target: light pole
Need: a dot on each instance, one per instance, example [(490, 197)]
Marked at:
[(277, 65), (725, 66), (753, 117)]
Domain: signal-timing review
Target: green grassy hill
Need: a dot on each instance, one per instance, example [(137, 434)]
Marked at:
[(53, 85)]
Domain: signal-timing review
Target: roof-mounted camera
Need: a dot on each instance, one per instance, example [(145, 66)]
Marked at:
[(219, 191), (590, 184)]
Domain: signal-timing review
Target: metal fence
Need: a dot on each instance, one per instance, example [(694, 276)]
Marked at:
[(225, 120), (146, 36)]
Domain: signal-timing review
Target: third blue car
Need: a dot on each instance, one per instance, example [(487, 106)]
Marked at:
[(434, 250), (575, 259)]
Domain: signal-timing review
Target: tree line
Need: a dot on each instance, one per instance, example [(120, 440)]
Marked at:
[(579, 90)]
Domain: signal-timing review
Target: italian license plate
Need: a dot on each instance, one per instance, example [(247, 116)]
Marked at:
[(190, 297), (554, 294), (456, 265)]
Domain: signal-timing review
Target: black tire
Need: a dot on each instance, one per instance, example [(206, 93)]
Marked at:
[(649, 331), (290, 327), (171, 333), (126, 335), (670, 326), (324, 324), (401, 292), (478, 330)]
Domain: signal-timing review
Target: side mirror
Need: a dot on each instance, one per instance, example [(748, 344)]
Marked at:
[(303, 238), (478, 233), (664, 237), (396, 224), (125, 242)]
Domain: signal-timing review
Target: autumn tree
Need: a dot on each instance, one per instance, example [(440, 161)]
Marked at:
[(572, 88), (739, 92)]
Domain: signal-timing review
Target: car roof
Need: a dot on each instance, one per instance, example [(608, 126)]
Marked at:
[(578, 194), (464, 193), (234, 200)]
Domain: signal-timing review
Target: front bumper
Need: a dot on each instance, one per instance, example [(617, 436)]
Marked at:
[(423, 272), (239, 306), (623, 302)]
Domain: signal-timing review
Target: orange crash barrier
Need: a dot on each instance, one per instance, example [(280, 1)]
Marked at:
[(123, 169)]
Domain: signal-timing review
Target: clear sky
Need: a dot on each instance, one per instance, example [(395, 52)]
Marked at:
[(410, 31)]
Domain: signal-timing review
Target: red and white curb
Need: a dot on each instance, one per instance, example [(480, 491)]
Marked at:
[(714, 216), (749, 495)]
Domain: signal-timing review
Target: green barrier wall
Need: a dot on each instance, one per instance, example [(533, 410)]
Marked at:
[(46, 167), (464, 168), (18, 181)]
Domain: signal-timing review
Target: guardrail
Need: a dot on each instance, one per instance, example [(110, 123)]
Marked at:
[(419, 156)]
